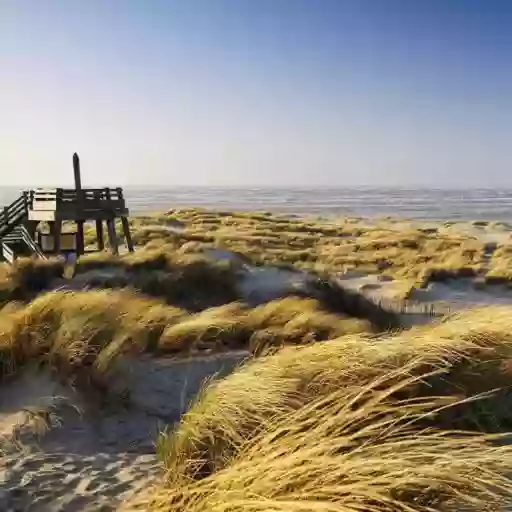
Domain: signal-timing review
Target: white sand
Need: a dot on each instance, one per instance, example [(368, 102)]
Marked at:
[(258, 284), (65, 453)]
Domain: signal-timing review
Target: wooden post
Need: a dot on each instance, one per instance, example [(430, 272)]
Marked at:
[(80, 237), (100, 239), (76, 171), (31, 227), (56, 231), (79, 203), (127, 235), (112, 237), (99, 235)]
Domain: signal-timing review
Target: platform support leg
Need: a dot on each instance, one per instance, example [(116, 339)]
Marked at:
[(127, 234), (80, 244), (99, 235), (56, 231), (112, 236)]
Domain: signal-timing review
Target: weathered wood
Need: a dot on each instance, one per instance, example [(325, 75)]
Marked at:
[(127, 234), (56, 230), (92, 204), (112, 236), (76, 172), (31, 228), (56, 205), (69, 215), (99, 235), (80, 242)]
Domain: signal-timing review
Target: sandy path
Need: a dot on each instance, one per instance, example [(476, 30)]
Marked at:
[(70, 482), (90, 457)]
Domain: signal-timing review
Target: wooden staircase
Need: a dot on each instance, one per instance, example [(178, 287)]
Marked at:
[(14, 214), (15, 239)]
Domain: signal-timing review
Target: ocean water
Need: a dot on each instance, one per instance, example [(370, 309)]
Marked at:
[(477, 204)]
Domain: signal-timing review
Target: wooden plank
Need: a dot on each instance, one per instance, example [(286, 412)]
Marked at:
[(47, 242), (69, 192), (44, 205), (45, 190), (43, 197), (42, 215), (72, 215), (7, 253)]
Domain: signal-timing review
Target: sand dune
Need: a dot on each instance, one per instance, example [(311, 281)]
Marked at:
[(63, 452)]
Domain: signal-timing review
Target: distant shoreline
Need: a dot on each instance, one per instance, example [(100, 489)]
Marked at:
[(369, 203)]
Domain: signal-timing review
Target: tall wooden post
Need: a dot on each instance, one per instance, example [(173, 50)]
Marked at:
[(79, 197), (76, 171)]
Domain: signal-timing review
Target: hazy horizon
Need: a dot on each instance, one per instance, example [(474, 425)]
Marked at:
[(246, 93)]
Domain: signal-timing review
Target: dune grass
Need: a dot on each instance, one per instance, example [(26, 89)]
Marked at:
[(249, 422), (348, 449), (192, 281), (75, 331), (404, 251), (23, 281), (400, 250)]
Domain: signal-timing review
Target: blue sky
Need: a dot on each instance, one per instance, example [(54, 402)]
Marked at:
[(257, 92)]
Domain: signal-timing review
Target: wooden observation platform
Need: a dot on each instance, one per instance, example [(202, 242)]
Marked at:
[(19, 222)]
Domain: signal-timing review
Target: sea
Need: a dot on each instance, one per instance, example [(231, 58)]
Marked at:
[(410, 203)]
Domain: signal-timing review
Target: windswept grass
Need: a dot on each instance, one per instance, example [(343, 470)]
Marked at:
[(192, 281), (72, 331), (288, 321), (346, 450), (457, 360), (337, 245), (27, 278)]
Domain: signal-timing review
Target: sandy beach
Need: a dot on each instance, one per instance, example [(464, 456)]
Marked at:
[(70, 444)]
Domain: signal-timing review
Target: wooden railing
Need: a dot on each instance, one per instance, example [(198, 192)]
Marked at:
[(89, 198), (11, 215)]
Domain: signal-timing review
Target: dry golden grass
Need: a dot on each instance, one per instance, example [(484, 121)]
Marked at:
[(454, 361), (277, 323), (346, 450), (402, 250), (386, 246), (72, 331), (27, 278), (76, 330), (190, 281)]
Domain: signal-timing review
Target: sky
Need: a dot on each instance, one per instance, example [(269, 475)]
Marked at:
[(307, 93)]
